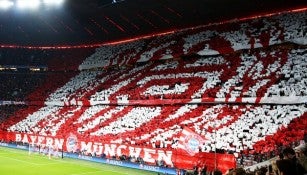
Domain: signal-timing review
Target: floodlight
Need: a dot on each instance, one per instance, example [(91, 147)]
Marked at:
[(32, 4), (5, 4), (53, 2)]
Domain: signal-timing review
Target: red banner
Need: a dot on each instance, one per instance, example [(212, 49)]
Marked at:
[(178, 158)]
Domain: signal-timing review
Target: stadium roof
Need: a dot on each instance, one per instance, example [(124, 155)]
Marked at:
[(87, 22)]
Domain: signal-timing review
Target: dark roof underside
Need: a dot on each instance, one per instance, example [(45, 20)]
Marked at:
[(97, 21)]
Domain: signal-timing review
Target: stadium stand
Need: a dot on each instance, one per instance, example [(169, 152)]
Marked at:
[(242, 89)]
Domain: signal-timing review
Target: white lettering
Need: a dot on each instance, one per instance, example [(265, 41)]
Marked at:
[(134, 152), (97, 148), (147, 155), (33, 139), (167, 158), (49, 141), (18, 137), (86, 147), (59, 143), (109, 150), (114, 162), (40, 140), (150, 168), (119, 149), (25, 139), (4, 144)]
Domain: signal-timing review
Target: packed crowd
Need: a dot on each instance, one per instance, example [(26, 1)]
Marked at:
[(209, 40), (18, 85), (241, 101)]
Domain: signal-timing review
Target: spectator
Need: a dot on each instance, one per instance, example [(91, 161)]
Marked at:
[(285, 167), (295, 168), (217, 172), (301, 156)]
